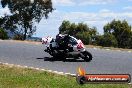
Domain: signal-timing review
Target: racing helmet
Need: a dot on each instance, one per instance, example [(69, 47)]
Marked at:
[(59, 36)]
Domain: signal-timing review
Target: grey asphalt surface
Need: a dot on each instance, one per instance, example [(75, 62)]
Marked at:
[(104, 61)]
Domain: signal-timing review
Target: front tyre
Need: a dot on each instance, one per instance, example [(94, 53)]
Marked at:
[(87, 56)]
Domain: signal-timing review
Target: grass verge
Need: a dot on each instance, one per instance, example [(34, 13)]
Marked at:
[(111, 48), (15, 77)]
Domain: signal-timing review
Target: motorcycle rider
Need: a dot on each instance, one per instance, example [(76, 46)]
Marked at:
[(62, 41), (59, 40)]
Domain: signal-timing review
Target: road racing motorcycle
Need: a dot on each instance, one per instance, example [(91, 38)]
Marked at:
[(75, 50)]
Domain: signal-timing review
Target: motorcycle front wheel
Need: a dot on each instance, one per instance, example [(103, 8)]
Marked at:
[(87, 56)]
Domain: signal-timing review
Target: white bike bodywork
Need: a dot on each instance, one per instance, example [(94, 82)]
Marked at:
[(76, 46)]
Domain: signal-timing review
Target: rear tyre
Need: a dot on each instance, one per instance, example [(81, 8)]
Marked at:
[(87, 56)]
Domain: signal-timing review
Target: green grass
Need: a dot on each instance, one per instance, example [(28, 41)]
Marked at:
[(14, 77), (111, 48)]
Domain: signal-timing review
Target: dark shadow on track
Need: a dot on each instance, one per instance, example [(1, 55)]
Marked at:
[(51, 59), (74, 60)]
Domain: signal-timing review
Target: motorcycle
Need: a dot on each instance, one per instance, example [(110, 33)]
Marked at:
[(75, 49)]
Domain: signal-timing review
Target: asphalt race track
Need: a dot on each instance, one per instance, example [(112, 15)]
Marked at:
[(32, 55)]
